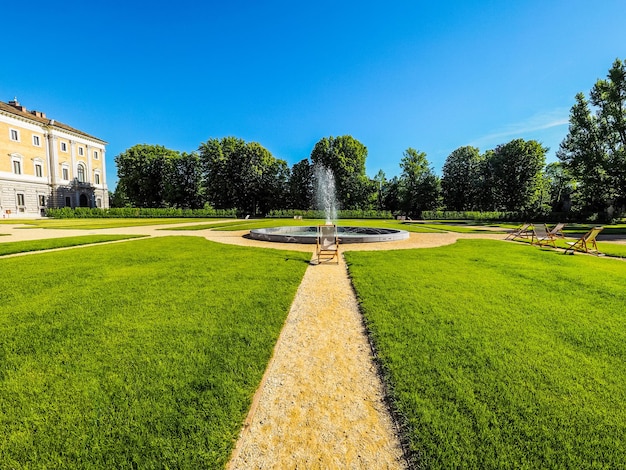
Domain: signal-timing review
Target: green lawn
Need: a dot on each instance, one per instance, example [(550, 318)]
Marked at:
[(501, 356), (617, 250), (142, 354), (378, 223), (90, 224), (10, 248), (576, 230)]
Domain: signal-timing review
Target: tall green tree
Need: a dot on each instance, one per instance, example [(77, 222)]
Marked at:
[(221, 177), (380, 182), (419, 186), (391, 195), (265, 180), (516, 172), (242, 175), (345, 157), (460, 182), (142, 174), (560, 186), (594, 151), (486, 185), (301, 186), (183, 182)]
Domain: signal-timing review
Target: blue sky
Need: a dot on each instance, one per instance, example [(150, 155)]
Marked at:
[(429, 75)]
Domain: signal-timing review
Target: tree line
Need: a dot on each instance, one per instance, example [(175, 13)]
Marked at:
[(229, 173)]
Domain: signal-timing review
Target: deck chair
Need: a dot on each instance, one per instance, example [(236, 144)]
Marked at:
[(557, 230), (327, 243), (541, 236), (522, 231), (586, 243)]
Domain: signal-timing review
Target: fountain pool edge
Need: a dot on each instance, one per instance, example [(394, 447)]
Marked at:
[(308, 234)]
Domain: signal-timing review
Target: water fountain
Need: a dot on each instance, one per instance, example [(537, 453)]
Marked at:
[(326, 201), (325, 193)]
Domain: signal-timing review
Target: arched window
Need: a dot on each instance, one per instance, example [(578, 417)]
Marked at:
[(80, 173)]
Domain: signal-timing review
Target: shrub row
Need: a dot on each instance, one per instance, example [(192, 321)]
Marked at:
[(473, 215), (317, 214), (549, 217), (135, 212)]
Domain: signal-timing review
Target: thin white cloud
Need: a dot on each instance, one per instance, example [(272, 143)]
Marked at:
[(538, 122)]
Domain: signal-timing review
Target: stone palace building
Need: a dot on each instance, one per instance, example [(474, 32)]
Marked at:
[(47, 164)]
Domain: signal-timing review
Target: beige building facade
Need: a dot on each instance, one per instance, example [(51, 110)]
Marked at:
[(47, 164)]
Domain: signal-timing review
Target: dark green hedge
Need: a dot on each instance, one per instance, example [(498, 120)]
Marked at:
[(134, 212), (317, 214), (472, 215)]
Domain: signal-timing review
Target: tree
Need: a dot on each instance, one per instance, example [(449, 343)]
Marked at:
[(142, 174), (594, 151), (391, 195), (183, 182), (242, 175), (486, 185), (460, 183), (118, 198), (345, 156), (264, 180), (379, 181), (419, 186), (515, 170), (219, 175), (301, 186), (560, 186)]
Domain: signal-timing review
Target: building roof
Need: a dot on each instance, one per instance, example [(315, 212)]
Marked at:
[(14, 108)]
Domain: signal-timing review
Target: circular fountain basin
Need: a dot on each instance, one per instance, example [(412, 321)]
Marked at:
[(301, 234)]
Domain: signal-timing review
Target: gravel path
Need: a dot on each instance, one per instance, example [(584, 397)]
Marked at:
[(321, 402)]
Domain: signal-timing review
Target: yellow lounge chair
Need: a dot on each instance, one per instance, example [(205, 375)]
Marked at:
[(586, 243), (523, 231), (327, 243), (541, 236), (557, 230)]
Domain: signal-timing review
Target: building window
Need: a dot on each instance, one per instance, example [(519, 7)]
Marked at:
[(15, 135), (17, 167), (63, 147), (42, 200), (99, 202), (81, 173), (38, 170), (66, 173), (20, 200), (81, 151), (36, 141), (97, 178), (68, 201), (95, 154)]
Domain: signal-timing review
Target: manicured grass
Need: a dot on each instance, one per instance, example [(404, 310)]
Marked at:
[(10, 248), (607, 248), (231, 225), (617, 250), (90, 224), (576, 230), (453, 227), (142, 354), (266, 223), (501, 356)]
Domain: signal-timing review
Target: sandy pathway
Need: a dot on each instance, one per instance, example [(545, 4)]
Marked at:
[(321, 402)]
